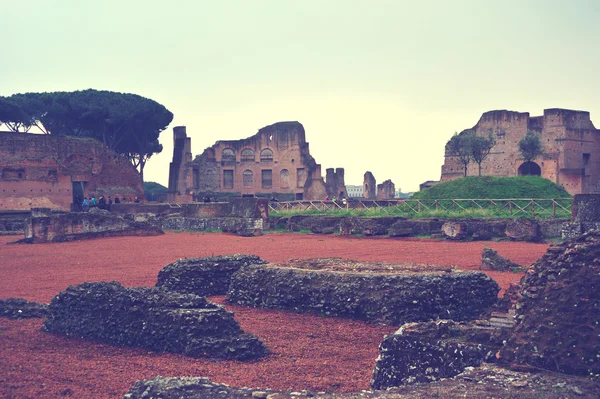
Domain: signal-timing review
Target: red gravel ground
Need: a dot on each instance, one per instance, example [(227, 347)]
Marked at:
[(309, 352)]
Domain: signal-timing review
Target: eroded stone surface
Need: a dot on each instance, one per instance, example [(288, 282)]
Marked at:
[(49, 227), (426, 352), (523, 230), (206, 276), (491, 260), (151, 318), (376, 292), (558, 310), (487, 381)]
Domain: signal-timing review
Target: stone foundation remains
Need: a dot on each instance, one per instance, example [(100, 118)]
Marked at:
[(427, 352), (151, 318), (491, 260), (45, 226), (206, 276), (558, 310), (395, 226), (585, 216), (375, 292)]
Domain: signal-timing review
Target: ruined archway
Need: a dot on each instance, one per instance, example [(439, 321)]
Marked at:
[(530, 169)]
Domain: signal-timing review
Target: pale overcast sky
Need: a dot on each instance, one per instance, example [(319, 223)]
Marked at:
[(379, 85)]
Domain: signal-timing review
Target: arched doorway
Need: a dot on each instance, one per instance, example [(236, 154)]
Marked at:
[(530, 169)]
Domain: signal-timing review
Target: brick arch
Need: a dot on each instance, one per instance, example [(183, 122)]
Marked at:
[(266, 155), (228, 155), (530, 169), (247, 155), (284, 178)]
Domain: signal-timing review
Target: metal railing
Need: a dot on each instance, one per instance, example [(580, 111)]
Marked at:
[(512, 207)]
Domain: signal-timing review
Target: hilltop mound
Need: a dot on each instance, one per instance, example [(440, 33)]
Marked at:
[(481, 187)]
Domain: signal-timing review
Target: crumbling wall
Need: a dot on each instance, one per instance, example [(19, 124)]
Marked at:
[(558, 310), (570, 141), (44, 226), (39, 170), (429, 351), (150, 318), (335, 184), (386, 190), (369, 186), (395, 226), (394, 294), (206, 276)]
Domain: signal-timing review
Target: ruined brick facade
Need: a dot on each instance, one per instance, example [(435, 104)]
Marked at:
[(571, 148), (38, 170), (275, 162)]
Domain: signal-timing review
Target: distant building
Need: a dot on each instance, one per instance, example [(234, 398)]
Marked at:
[(52, 171), (354, 191), (274, 162), (571, 149)]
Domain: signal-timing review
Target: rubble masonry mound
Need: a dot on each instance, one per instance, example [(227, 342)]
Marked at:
[(151, 318), (375, 292)]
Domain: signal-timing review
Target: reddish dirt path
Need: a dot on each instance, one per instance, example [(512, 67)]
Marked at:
[(310, 352)]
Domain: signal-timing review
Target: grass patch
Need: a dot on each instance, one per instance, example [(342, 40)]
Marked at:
[(494, 187)]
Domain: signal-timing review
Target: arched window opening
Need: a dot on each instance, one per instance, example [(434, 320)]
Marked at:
[(247, 178), (247, 155), (530, 169), (284, 178), (228, 155), (266, 155)]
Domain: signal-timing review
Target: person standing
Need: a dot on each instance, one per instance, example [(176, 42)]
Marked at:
[(85, 205), (110, 202), (92, 203)]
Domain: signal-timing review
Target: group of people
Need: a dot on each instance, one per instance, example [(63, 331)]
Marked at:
[(103, 203)]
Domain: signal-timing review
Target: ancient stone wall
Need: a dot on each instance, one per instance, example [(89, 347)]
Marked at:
[(38, 170), (334, 181), (274, 162), (571, 145), (429, 351), (395, 226), (206, 276), (369, 186), (151, 318), (386, 190), (558, 310), (44, 226), (392, 294)]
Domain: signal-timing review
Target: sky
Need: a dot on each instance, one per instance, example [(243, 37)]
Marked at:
[(378, 85)]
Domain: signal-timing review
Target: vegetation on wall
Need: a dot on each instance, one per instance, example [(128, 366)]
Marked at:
[(531, 147), (467, 147), (128, 124)]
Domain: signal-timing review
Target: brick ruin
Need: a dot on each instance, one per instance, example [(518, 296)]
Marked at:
[(570, 140), (275, 162), (46, 171)]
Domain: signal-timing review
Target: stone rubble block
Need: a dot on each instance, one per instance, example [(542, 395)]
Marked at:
[(427, 352), (558, 310), (491, 260), (18, 308), (151, 318), (374, 292), (206, 276)]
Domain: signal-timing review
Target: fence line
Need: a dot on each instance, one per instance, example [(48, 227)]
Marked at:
[(513, 207)]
